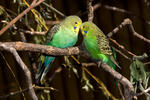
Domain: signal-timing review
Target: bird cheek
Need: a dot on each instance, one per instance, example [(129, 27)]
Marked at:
[(83, 33), (77, 30)]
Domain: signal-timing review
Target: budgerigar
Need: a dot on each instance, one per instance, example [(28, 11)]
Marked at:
[(62, 35), (97, 44)]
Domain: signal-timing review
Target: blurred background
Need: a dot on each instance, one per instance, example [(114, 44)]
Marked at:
[(108, 14)]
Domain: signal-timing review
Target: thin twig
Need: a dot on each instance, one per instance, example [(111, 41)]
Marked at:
[(24, 68), (120, 91), (134, 32), (45, 88), (116, 9), (90, 10), (124, 23), (34, 13), (101, 84), (122, 54), (53, 9), (48, 22), (24, 90), (143, 92), (147, 63), (25, 31), (58, 70), (127, 22), (33, 32), (89, 64), (13, 74), (34, 4), (122, 47), (15, 93)]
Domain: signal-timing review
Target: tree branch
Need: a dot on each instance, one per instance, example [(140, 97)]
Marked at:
[(15, 93), (34, 4), (128, 22), (26, 89), (134, 32), (128, 87), (143, 92), (24, 68), (90, 10), (48, 50)]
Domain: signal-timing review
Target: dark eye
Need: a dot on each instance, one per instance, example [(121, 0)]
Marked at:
[(85, 32), (75, 22), (83, 26)]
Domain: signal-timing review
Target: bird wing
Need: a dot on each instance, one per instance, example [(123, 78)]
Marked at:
[(43, 68), (51, 32), (104, 47), (103, 43)]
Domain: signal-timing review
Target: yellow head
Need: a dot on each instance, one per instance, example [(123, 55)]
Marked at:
[(88, 28), (74, 22)]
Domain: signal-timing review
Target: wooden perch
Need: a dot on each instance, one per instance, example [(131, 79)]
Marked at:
[(49, 50)]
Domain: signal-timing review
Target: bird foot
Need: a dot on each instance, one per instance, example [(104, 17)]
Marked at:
[(99, 64)]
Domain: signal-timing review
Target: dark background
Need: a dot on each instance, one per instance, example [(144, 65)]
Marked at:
[(68, 85)]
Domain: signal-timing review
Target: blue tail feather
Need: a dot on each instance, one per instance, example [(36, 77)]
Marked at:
[(43, 68)]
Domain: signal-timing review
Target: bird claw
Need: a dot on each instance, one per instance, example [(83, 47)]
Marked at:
[(99, 64)]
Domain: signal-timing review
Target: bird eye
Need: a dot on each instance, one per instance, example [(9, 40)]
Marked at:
[(75, 27), (75, 22), (85, 32)]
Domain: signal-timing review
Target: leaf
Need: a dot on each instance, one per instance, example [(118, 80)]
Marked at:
[(138, 72), (87, 85), (68, 63), (139, 76), (1, 10)]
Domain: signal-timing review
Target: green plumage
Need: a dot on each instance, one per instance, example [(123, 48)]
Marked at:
[(97, 44), (61, 35)]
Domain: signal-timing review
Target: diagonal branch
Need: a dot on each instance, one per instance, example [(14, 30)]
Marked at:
[(34, 4), (128, 22), (26, 89), (49, 50), (24, 68), (90, 10), (128, 87)]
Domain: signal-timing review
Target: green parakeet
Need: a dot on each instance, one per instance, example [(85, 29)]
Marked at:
[(62, 35), (97, 44)]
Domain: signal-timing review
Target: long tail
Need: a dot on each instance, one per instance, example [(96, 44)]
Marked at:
[(112, 62), (113, 58), (45, 63)]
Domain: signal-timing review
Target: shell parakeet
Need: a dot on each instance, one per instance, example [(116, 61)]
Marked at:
[(62, 35), (97, 44)]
